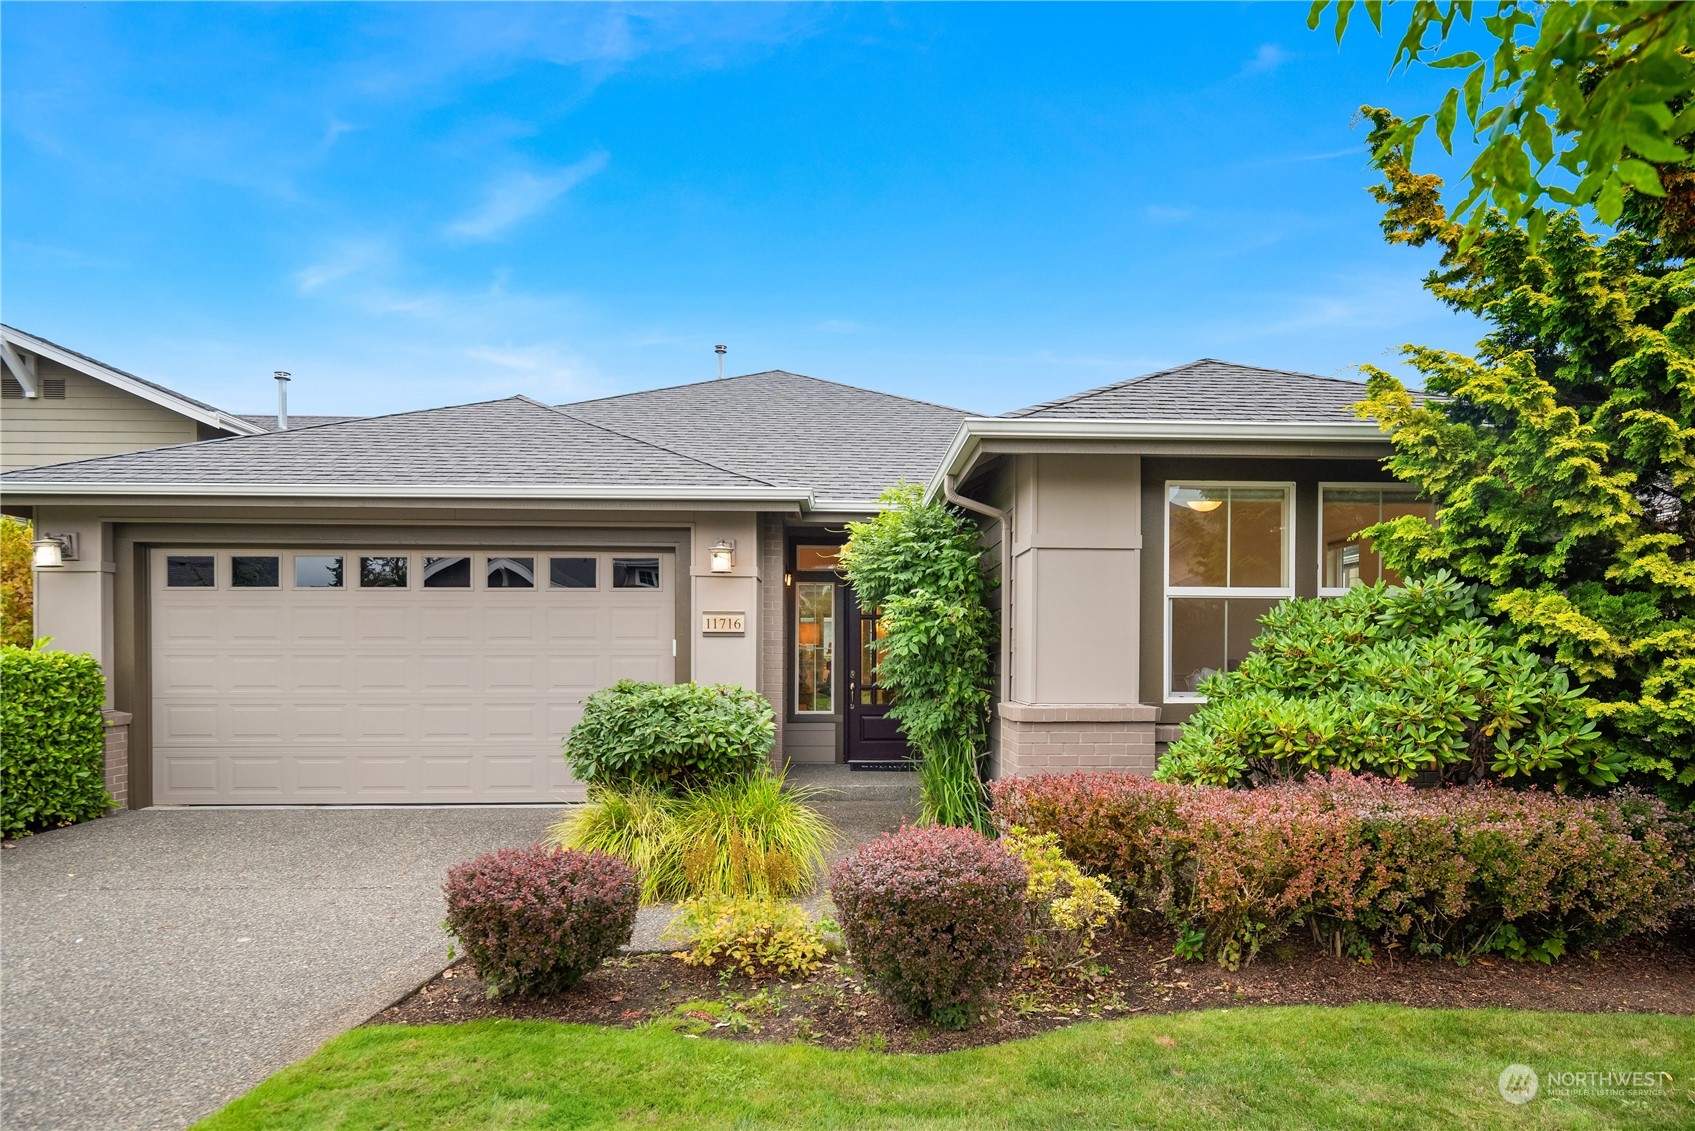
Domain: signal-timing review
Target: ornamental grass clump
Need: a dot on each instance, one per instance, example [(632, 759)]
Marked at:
[(933, 918), (533, 921), (1064, 909)]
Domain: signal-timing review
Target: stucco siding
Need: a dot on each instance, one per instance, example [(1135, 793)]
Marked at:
[(93, 419)]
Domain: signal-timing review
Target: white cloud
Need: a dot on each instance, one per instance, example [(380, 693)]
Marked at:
[(1268, 58), (519, 196), (348, 258)]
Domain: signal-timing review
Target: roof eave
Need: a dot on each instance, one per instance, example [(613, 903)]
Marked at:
[(63, 489), (211, 417), (962, 451)]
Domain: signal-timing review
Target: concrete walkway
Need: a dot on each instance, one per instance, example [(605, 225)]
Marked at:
[(155, 965)]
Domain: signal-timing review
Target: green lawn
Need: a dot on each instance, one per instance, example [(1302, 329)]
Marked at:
[(1356, 1067)]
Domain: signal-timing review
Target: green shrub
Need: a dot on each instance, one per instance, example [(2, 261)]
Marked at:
[(1393, 681), (17, 583), (756, 937), (670, 736), (752, 836), (52, 740), (1064, 908)]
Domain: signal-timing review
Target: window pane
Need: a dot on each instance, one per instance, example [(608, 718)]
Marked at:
[(871, 633), (816, 557), (191, 572), (815, 645), (447, 573), (1242, 625), (317, 572), (511, 573), (1348, 560), (382, 573), (255, 572), (571, 573), (635, 573), (1197, 641), (1258, 550), (1200, 520), (1395, 504)]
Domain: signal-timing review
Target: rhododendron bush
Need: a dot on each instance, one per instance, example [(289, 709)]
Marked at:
[(1368, 864)]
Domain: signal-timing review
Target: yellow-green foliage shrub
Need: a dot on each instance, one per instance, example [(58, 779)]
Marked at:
[(17, 583), (757, 937), (1066, 908)]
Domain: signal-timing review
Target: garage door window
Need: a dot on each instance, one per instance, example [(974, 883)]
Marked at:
[(635, 573), (191, 572), (571, 573), (317, 572), (511, 573), (382, 573), (249, 571), (447, 573)]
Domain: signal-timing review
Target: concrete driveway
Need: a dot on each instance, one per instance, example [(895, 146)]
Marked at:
[(156, 964)]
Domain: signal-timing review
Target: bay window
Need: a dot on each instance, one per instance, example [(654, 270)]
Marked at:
[(1228, 561)]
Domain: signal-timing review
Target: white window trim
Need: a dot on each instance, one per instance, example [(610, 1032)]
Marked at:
[(1169, 591), (1318, 533)]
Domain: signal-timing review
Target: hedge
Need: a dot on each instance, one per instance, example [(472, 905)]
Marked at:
[(1368, 863), (52, 740), (670, 737)]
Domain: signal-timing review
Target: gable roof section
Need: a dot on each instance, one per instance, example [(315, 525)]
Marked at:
[(844, 443), (515, 447), (1211, 390), (147, 390)]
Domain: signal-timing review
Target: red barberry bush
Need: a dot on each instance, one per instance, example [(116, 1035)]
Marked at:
[(1110, 825), (534, 920), (933, 918)]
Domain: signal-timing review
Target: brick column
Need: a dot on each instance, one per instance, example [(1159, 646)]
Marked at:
[(117, 756), (1066, 738)]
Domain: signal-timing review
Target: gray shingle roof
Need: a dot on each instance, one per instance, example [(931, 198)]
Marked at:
[(844, 443), (1212, 390), (513, 442), (269, 423)]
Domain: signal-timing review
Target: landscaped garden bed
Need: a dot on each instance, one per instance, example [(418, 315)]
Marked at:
[(1131, 974)]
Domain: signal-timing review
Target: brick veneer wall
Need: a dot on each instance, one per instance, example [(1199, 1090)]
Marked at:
[(1041, 738), (771, 621), (117, 756)]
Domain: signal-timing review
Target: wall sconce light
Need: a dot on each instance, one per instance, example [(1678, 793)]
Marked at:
[(53, 550), (723, 555)]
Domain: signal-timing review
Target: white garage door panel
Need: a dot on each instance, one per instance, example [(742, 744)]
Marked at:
[(324, 696)]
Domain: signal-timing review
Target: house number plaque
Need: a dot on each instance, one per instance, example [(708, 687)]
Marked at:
[(723, 624)]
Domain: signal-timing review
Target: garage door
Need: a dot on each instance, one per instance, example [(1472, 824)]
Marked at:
[(372, 675)]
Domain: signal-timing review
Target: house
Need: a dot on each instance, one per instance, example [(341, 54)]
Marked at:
[(411, 608), (57, 405)]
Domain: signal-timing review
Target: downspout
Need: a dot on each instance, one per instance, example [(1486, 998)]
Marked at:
[(1000, 516)]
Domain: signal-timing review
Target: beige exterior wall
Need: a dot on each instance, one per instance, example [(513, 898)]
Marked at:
[(74, 602), (727, 659), (93, 419)]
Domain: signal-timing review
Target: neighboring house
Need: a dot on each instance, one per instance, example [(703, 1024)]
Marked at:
[(58, 405), (411, 608)]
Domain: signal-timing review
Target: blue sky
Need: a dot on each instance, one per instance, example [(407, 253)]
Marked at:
[(985, 206)]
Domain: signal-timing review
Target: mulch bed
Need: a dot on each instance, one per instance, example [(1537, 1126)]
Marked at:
[(1132, 974)]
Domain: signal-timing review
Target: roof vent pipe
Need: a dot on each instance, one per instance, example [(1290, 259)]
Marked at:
[(282, 399), (720, 351)]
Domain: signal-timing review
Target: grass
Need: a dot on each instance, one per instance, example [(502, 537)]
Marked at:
[(1364, 1066)]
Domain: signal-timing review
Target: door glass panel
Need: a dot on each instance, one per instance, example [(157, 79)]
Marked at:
[(635, 573), (255, 572), (511, 573), (871, 693), (815, 645), (570, 573), (447, 573), (188, 572), (1200, 535), (317, 571), (1258, 557), (382, 573), (816, 557)]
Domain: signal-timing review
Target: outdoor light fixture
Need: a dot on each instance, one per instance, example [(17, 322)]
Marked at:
[(53, 550), (723, 555)]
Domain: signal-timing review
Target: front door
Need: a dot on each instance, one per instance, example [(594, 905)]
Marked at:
[(871, 736)]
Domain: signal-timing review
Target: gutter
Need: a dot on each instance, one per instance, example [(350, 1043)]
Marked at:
[(975, 429), (64, 489)]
